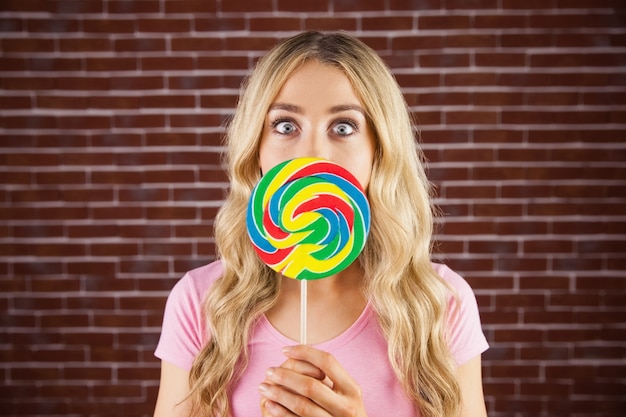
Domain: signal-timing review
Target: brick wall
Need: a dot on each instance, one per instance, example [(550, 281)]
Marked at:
[(110, 120)]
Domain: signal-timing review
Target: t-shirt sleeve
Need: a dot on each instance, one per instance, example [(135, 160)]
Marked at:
[(465, 336), (183, 332)]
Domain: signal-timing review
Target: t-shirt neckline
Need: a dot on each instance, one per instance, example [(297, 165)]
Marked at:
[(329, 345)]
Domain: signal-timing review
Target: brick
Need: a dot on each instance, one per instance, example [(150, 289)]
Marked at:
[(575, 21), (137, 83), (118, 321), (386, 23), (144, 195), (221, 62), (16, 64), (59, 102), (500, 246), (190, 6), (443, 22), (333, 23), (85, 45), (595, 352), (469, 192), (532, 4), (551, 317), (449, 174), (349, 6), (16, 102), (105, 26), (501, 59), (117, 213), (145, 231), (26, 45), (600, 246), (554, 390), (500, 21), (474, 264), (270, 24), (522, 371), (463, 228), (184, 43), (145, 6), (58, 250), (573, 59), (471, 117), (89, 6), (548, 246), (256, 6), (444, 60), (470, 41), (53, 23), (139, 120), (92, 373), (65, 320), (500, 317), (166, 64), (237, 43), (198, 120), (415, 4), (139, 45), (138, 373), (470, 79), (171, 213), (114, 249), (518, 264), (92, 268), (196, 82), (84, 122), (38, 373), (218, 101)]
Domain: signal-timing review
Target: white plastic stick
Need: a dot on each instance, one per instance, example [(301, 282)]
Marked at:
[(303, 309)]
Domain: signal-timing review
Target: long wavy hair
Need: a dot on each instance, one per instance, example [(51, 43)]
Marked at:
[(409, 298)]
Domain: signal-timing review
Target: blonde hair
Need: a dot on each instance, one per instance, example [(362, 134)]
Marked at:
[(409, 298)]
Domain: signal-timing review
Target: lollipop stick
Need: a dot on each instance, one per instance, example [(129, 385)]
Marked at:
[(303, 309)]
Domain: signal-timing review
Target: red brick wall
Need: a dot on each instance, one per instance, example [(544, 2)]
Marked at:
[(110, 120)]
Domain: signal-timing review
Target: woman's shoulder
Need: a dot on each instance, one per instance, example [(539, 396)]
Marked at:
[(199, 280), (465, 336), (184, 331), (453, 279)]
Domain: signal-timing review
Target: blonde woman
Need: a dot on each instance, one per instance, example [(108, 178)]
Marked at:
[(393, 334)]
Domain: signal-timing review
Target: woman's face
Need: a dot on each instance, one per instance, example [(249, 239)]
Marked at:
[(317, 114)]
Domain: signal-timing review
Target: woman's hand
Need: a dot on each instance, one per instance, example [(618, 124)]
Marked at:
[(311, 383)]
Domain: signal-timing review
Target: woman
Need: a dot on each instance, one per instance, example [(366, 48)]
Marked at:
[(393, 334)]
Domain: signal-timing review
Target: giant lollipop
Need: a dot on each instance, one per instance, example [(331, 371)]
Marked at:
[(308, 218)]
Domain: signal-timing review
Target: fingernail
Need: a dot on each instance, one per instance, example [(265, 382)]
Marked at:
[(263, 388), (269, 372), (271, 407), (287, 350)]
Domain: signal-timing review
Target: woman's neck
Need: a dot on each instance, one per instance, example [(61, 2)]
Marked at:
[(333, 305)]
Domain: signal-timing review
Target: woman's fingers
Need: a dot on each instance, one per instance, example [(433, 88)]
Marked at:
[(311, 383), (304, 368), (326, 363), (279, 401), (275, 387), (337, 395)]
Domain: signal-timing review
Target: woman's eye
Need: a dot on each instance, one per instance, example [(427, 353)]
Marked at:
[(284, 127), (344, 128)]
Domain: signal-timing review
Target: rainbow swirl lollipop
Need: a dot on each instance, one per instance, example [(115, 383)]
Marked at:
[(308, 218)]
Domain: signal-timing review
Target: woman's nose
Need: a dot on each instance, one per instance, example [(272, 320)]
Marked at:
[(317, 145)]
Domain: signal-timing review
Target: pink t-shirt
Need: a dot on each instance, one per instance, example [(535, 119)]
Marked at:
[(361, 349)]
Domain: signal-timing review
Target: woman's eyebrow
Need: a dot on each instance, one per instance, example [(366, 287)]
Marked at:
[(287, 107), (346, 107), (299, 110)]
